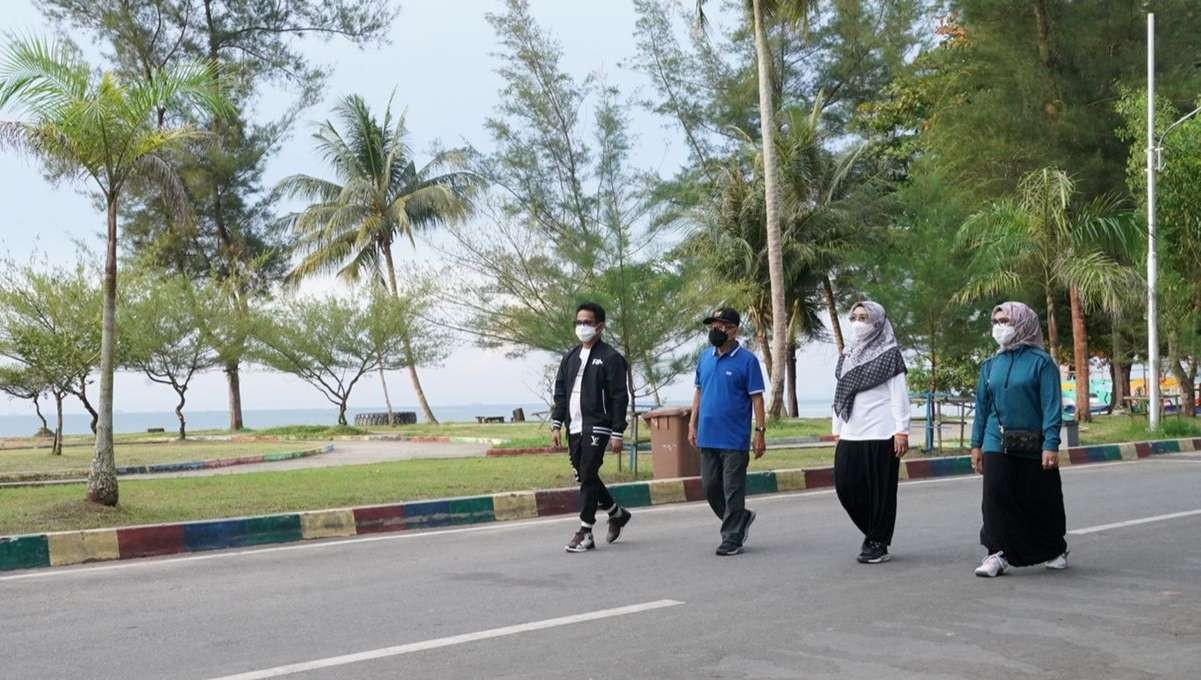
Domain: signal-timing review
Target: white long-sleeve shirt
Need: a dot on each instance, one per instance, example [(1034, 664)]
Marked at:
[(877, 413)]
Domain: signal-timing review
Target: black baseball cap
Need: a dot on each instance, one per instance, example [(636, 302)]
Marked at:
[(725, 314)]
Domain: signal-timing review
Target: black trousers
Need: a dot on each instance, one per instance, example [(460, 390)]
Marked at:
[(587, 453), (723, 474), (1023, 510), (865, 478)]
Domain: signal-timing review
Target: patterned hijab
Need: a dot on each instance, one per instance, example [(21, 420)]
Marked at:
[(869, 361), (1025, 322)]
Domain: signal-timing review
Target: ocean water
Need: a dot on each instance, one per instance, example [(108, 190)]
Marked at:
[(78, 423)]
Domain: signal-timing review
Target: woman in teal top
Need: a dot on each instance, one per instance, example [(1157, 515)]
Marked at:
[(1018, 392)]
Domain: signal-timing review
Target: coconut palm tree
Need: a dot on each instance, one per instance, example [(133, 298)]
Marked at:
[(379, 196), (759, 11), (816, 232), (96, 126), (1042, 238)]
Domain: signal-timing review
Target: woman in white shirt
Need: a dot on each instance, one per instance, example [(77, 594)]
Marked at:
[(871, 426)]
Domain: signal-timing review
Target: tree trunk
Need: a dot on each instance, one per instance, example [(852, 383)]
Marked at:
[(183, 432), (1052, 331), (387, 399), (835, 328), (761, 338), (1080, 355), (102, 478), (58, 424), (233, 378), (775, 261), (342, 413), (37, 408), (426, 411), (790, 379), (1176, 366), (421, 400), (83, 399)]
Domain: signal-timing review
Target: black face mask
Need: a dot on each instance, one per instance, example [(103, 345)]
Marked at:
[(718, 337)]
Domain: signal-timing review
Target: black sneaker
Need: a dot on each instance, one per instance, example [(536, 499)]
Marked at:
[(727, 549), (581, 542), (616, 524), (874, 553), (746, 529)]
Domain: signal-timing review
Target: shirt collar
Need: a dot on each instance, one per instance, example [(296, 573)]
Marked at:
[(737, 346)]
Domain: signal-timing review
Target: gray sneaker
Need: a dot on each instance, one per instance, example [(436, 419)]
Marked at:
[(746, 528), (581, 542)]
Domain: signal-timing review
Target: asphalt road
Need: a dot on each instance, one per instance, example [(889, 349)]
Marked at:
[(504, 601)]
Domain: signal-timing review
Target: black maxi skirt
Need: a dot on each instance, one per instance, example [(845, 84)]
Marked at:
[(865, 478), (1023, 510)]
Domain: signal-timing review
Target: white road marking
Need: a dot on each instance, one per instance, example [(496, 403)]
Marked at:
[(510, 525), (1133, 522), (398, 650)]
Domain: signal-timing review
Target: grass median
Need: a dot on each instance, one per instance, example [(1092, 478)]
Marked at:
[(80, 457), (146, 501)]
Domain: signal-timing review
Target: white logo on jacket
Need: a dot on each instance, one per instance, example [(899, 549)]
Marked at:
[(598, 362), (595, 440)]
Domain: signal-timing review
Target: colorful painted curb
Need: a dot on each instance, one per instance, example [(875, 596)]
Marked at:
[(77, 547), (170, 467)]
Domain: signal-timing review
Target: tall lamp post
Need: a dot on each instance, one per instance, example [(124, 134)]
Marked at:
[(1154, 165)]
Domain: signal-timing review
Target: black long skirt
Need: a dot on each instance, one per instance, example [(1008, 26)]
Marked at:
[(1023, 510), (865, 478)]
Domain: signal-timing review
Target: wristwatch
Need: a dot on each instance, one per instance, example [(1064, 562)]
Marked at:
[(760, 430)]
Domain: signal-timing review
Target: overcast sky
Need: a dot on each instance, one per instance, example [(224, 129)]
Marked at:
[(439, 62)]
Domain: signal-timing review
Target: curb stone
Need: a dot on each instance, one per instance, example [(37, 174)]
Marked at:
[(31, 551)]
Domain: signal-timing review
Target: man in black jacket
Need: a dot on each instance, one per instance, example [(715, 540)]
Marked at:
[(591, 399)]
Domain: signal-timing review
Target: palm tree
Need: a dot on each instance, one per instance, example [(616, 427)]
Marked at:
[(1041, 238), (793, 11), (379, 197), (816, 232), (95, 126)]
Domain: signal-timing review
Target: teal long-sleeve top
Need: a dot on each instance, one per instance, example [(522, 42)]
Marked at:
[(1023, 384)]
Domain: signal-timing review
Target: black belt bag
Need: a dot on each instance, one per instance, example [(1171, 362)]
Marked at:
[(1020, 442)]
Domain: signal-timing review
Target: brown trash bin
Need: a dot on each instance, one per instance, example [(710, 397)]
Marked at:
[(672, 455)]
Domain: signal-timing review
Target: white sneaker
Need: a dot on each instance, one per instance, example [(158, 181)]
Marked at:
[(993, 565), (1060, 562)]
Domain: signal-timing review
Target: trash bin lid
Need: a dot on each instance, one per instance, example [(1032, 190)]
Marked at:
[(672, 412)]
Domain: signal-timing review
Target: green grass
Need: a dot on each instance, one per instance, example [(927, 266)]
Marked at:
[(79, 457), (1123, 428), (798, 427), (308, 431)]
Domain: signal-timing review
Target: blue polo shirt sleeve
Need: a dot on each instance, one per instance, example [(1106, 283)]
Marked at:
[(754, 378), (697, 381)]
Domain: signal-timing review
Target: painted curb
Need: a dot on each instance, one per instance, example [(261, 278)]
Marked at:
[(130, 470), (31, 551)]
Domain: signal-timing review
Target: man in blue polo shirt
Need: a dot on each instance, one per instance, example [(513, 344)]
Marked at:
[(729, 385)]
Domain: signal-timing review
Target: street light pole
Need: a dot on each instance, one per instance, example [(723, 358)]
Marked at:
[(1152, 263)]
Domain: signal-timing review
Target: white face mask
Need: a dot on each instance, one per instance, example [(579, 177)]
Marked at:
[(585, 333), (1003, 333), (861, 329)]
